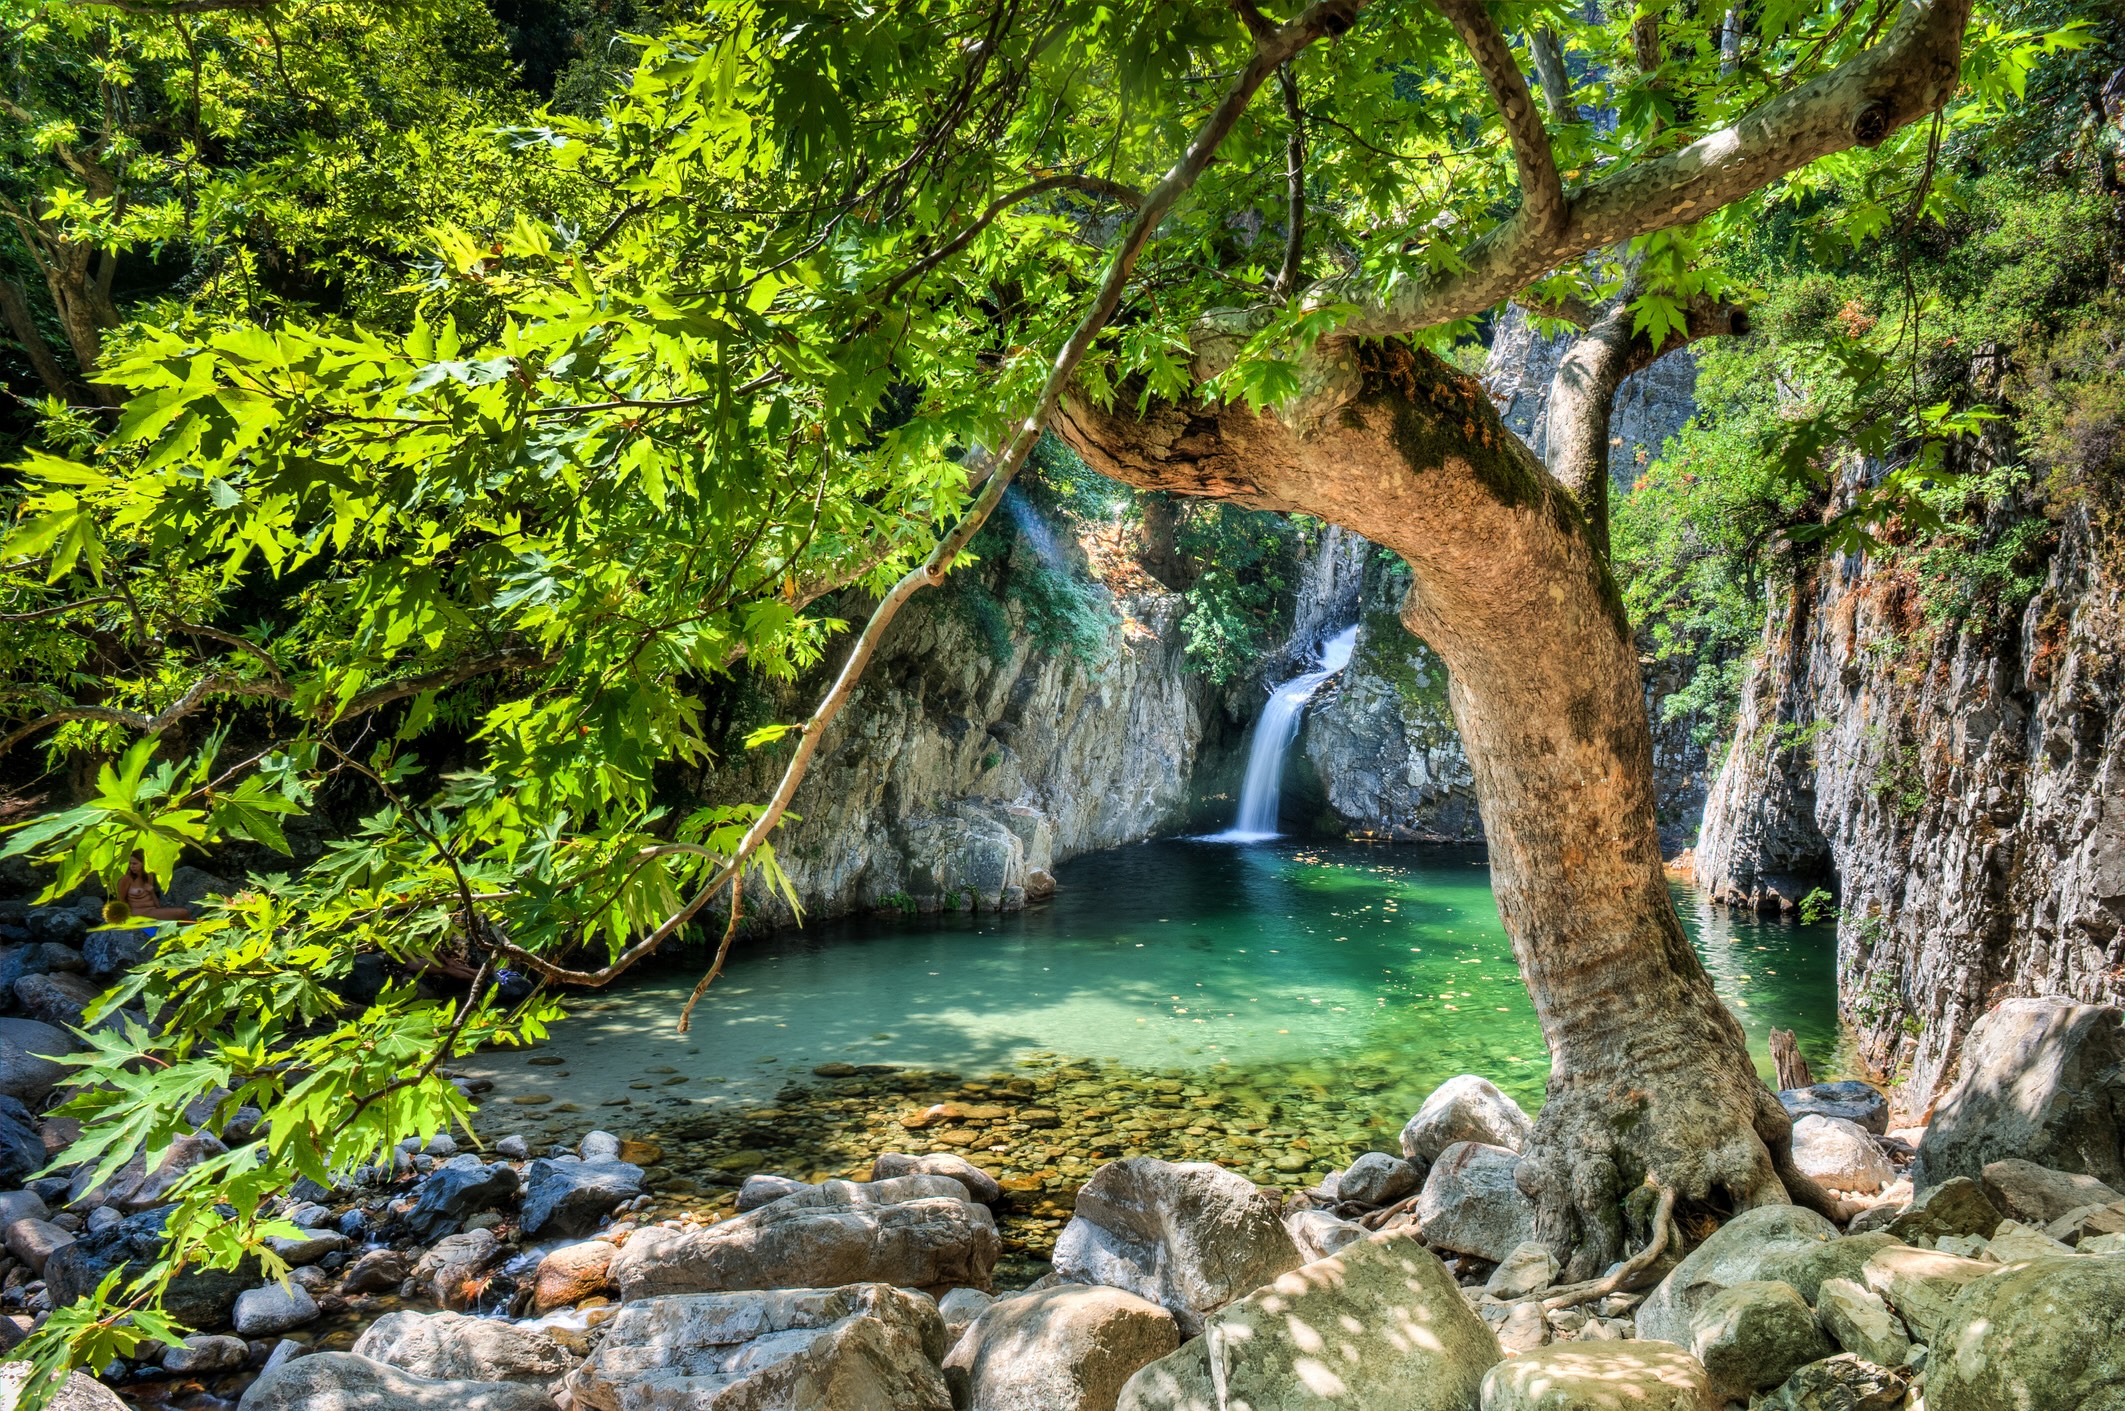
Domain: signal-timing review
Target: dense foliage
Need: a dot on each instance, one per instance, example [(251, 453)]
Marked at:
[(486, 442)]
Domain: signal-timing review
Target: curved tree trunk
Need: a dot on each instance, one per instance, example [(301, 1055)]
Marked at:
[(1651, 1079)]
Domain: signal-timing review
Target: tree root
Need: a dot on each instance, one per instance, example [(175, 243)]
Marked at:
[(1623, 1275)]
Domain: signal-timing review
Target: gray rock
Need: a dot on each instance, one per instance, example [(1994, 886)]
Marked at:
[(1471, 1203), (958, 1308), (980, 1184), (599, 1146), (376, 1271), (1855, 1316), (79, 1393), (2048, 1334), (2042, 1080), (1843, 1383), (1190, 1237), (22, 1205), (1378, 1179), (190, 886), (461, 1186), (513, 1148), (1840, 1154), (21, 1147), (1528, 1269), (56, 925), (810, 1240), (1922, 1285), (275, 1308), (198, 1298), (2013, 1241), (1068, 1348), (1319, 1234), (1859, 1103), (107, 953), (865, 1347), (206, 1352), (1753, 1336), (763, 1189), (1379, 1325), (1464, 1109), (453, 1347), (1772, 1242), (1601, 1376), (2038, 1195), (34, 1242), (571, 1197), (454, 1268), (58, 1000), (341, 1381), (133, 1187), (313, 1246), (26, 1070), (1956, 1207)]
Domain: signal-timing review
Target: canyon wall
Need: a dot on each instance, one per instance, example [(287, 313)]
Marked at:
[(1962, 788)]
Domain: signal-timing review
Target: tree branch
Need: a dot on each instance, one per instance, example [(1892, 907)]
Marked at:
[(15, 309), (1541, 191), (1097, 185), (1550, 72), (1287, 277)]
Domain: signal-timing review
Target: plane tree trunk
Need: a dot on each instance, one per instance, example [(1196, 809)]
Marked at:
[(1651, 1082)]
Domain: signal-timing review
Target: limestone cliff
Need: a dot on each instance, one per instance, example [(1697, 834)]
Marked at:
[(1964, 788)]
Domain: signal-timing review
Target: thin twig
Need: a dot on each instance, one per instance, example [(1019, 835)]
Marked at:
[(730, 932)]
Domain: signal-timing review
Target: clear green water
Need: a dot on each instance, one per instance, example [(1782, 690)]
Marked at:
[(1279, 966)]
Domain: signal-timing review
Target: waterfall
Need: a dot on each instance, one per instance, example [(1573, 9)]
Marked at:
[(1273, 735)]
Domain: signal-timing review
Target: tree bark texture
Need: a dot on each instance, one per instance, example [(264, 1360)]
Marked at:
[(1651, 1079)]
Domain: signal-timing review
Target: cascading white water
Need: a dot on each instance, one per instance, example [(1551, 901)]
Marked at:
[(1273, 734)]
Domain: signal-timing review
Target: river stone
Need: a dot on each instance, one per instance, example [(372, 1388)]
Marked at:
[(80, 1392), (569, 1197), (274, 1308), (598, 1146), (1067, 1348), (1922, 1285), (206, 1352), (1840, 1154), (22, 1205), (1471, 1203), (133, 1187), (462, 1186), (762, 1189), (1464, 1109), (108, 952), (1782, 1242), (2048, 1334), (1855, 1316), (34, 1242), (1842, 1383), (2043, 1080), (958, 1308), (1952, 1208), (1379, 1325), (1319, 1234), (865, 1347), (198, 1298), (453, 1347), (980, 1184), (1191, 1237), (21, 1148), (1530, 1268), (454, 1267), (377, 1271), (344, 1381), (933, 1241), (1600, 1376), (1852, 1101), (571, 1274), (2038, 1195), (2014, 1241), (1378, 1179), (58, 1000), (26, 1072), (1754, 1335)]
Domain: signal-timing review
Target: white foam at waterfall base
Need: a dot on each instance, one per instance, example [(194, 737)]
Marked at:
[(1263, 788)]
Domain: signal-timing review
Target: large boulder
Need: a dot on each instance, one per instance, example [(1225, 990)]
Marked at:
[(1601, 1376), (1472, 1203), (1839, 1154), (2043, 1080), (811, 1240), (571, 1274), (344, 1381), (80, 1392), (198, 1298), (2038, 1195), (135, 1187), (1190, 1237), (866, 1347), (568, 1196), (453, 1347), (980, 1184), (21, 1149), (1753, 1336), (1922, 1285), (461, 1186), (1378, 1179), (1956, 1207), (1067, 1348), (273, 1308), (1319, 1234), (1464, 1109), (1859, 1103), (59, 1000), (2048, 1334), (108, 952), (1776, 1242), (27, 1069), (1860, 1322), (762, 1188), (1379, 1325), (454, 1268), (1843, 1383)]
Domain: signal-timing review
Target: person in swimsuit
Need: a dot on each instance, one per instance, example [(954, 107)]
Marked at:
[(141, 899)]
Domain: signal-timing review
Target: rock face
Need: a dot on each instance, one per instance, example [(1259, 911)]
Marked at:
[(2050, 1333), (929, 1241), (1471, 1204), (1190, 1237), (274, 1308), (1464, 1109), (2042, 1080), (1923, 1286), (1068, 1348), (848, 1349), (1965, 788), (453, 1347), (1380, 1324), (1600, 1376), (342, 1381)]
